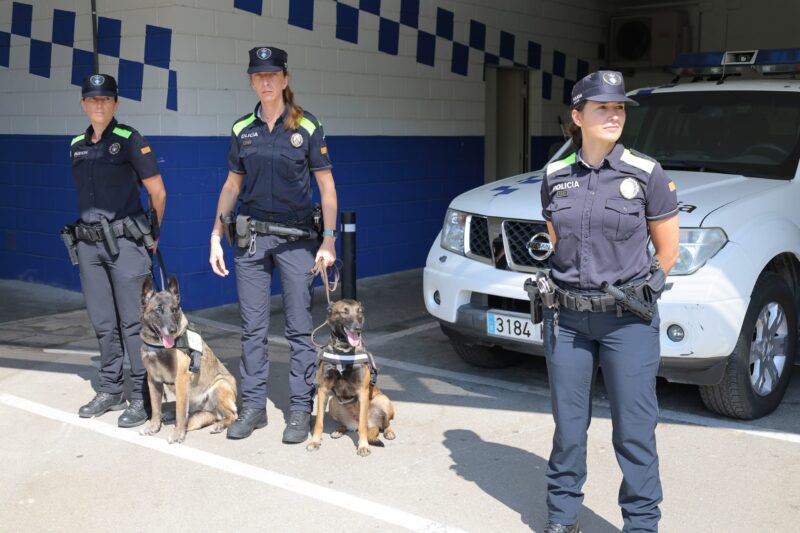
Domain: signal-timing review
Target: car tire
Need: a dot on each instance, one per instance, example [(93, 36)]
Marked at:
[(738, 394), (480, 355)]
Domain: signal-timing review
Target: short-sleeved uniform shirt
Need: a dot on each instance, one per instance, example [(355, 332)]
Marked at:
[(600, 216), (277, 164), (108, 174)]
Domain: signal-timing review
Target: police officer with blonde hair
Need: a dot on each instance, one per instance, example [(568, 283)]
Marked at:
[(110, 163), (602, 203), (273, 152)]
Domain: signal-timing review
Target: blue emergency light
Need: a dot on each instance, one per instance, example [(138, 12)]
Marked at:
[(784, 60)]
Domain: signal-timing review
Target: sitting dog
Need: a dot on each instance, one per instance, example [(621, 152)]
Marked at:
[(171, 353), (344, 372)]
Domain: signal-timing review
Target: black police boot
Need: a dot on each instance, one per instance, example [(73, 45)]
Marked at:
[(102, 402), (297, 427), (134, 415), (561, 528), (250, 418)]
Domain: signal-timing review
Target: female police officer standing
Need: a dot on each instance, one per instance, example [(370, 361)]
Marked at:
[(109, 162), (272, 153), (601, 204)]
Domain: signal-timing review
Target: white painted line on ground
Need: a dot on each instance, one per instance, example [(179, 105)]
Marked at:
[(298, 486), (64, 351), (402, 333)]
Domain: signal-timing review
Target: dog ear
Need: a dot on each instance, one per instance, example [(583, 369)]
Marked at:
[(147, 290), (172, 286)]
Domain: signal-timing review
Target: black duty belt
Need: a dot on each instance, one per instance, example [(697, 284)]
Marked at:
[(289, 218), (593, 303), (94, 232)]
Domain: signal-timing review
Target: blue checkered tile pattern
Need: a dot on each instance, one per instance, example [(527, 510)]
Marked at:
[(157, 49), (301, 14)]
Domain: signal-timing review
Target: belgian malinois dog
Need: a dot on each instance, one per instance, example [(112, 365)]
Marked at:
[(355, 403), (203, 397)]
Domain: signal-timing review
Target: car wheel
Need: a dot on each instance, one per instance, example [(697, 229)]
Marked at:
[(479, 355), (759, 368)]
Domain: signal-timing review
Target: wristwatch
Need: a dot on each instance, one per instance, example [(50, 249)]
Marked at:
[(329, 233)]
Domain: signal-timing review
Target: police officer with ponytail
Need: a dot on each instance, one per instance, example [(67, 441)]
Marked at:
[(110, 163), (602, 203), (273, 152)]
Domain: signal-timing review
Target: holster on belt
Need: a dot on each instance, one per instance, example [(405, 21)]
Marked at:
[(139, 224), (108, 236), (70, 242), (228, 226), (244, 231)]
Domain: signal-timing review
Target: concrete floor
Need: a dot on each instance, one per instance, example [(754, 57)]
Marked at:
[(470, 454)]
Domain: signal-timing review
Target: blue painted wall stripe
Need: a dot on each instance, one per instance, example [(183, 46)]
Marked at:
[(40, 55), (301, 13), (547, 85), (370, 6), (460, 58), (477, 35), (426, 48), (346, 23), (388, 36), (131, 76), (109, 36), (21, 19), (5, 48), (63, 27), (559, 63), (157, 46), (172, 91), (507, 45), (252, 6), (409, 13), (444, 23), (534, 55), (82, 65)]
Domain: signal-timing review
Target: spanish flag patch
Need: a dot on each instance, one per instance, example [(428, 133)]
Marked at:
[(672, 186), (324, 150), (146, 150)]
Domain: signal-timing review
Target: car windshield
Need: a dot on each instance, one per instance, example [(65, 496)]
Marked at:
[(754, 133)]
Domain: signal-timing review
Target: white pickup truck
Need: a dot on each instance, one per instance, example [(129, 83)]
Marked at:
[(729, 318)]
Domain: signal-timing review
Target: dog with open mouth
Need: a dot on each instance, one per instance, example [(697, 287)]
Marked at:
[(344, 374), (177, 358)]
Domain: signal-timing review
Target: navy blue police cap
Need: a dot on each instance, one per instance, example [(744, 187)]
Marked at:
[(601, 86), (98, 85), (267, 59)]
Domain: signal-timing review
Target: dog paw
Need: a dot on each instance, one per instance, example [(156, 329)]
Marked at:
[(217, 428), (177, 437), (389, 434), (150, 429), (313, 446), (363, 451), (340, 432)]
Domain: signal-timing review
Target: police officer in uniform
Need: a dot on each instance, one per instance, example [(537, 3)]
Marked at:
[(110, 162), (273, 152), (601, 203)]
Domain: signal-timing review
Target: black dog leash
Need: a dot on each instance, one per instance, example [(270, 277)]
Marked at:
[(162, 270)]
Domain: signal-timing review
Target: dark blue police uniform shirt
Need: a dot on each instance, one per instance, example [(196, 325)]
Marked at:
[(600, 216), (108, 174), (277, 164)]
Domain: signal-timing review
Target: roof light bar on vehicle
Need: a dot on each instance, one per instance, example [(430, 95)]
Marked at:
[(786, 60)]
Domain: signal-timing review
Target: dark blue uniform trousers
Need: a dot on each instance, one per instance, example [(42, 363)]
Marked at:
[(112, 288), (628, 350), (253, 281)]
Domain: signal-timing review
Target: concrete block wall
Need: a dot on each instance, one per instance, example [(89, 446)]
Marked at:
[(398, 85)]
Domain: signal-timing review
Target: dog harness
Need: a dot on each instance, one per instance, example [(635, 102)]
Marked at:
[(346, 360), (190, 343)]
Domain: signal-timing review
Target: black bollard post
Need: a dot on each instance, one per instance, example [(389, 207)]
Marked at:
[(349, 255)]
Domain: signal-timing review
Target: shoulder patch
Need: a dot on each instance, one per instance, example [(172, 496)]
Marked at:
[(638, 160), (555, 166), (122, 132), (308, 125), (242, 124), (77, 138)]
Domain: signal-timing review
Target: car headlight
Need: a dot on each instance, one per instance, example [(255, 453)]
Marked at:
[(453, 231), (697, 246)]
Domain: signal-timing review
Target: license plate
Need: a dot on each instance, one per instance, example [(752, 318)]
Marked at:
[(513, 326)]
